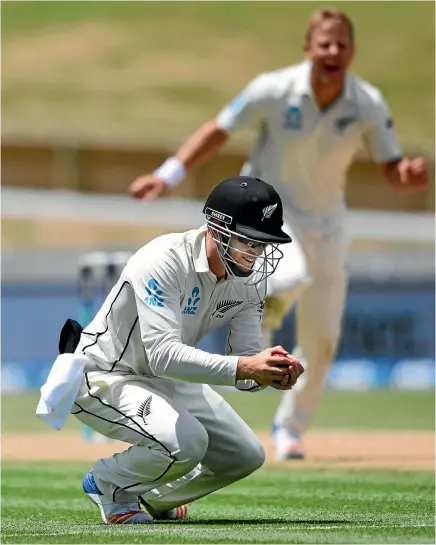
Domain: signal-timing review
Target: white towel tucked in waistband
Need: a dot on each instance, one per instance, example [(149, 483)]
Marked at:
[(61, 388)]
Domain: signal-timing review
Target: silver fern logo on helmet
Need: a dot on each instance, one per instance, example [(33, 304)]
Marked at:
[(268, 211)]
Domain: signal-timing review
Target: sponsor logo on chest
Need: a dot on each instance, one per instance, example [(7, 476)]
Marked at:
[(192, 306)]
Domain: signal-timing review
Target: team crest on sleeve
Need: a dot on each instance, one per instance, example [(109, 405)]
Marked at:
[(154, 294), (293, 119), (191, 307), (342, 123), (237, 104)]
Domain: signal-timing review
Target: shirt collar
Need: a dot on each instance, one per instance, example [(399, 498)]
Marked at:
[(201, 263), (302, 85)]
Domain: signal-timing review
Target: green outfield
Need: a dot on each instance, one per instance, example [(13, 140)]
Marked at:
[(44, 504), (150, 72), (373, 410), (42, 501)]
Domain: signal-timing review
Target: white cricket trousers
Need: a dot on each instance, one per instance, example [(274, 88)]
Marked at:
[(186, 440), (313, 275)]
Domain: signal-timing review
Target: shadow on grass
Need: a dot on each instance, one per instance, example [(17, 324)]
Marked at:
[(254, 522)]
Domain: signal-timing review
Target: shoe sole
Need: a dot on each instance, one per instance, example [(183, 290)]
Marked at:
[(119, 518), (180, 512), (93, 494), (294, 455), (94, 498), (291, 454)]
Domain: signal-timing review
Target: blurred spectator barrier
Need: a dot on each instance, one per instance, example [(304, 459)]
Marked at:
[(110, 169), (389, 327)]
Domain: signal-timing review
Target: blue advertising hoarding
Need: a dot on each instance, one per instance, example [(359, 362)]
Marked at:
[(388, 338)]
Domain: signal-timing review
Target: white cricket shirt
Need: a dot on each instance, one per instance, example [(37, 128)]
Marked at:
[(306, 152), (164, 303)]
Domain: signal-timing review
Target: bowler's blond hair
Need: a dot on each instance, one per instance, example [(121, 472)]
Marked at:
[(329, 14)]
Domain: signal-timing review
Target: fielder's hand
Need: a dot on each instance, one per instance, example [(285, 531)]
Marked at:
[(272, 367), (147, 188), (413, 175), (295, 369)]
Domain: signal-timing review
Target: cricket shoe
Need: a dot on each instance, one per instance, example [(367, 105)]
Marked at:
[(178, 513), (114, 513), (287, 446)]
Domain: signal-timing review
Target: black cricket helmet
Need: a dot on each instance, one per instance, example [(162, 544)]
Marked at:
[(245, 215)]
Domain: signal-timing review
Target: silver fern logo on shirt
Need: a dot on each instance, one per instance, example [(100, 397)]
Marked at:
[(268, 211), (223, 306), (145, 409)]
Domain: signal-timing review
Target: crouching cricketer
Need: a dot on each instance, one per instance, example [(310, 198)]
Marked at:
[(144, 382)]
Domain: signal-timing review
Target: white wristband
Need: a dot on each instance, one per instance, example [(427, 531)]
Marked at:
[(172, 171)]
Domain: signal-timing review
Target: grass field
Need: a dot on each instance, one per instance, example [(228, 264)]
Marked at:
[(152, 71), (374, 410), (44, 504)]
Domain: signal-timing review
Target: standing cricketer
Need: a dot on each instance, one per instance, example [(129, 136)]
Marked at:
[(311, 119)]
